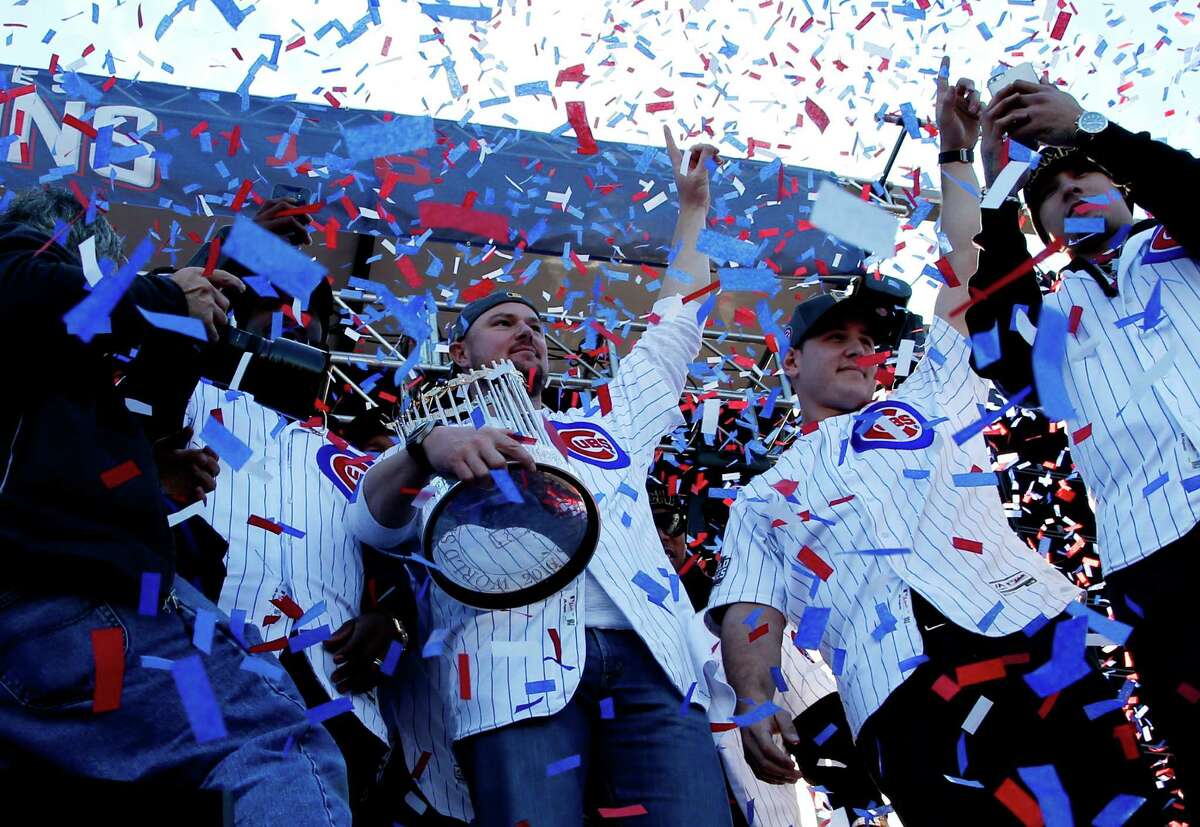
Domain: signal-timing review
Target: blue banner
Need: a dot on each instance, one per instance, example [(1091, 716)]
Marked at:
[(203, 152)]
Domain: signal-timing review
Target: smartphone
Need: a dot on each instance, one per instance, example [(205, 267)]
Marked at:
[(299, 195), (1000, 80)]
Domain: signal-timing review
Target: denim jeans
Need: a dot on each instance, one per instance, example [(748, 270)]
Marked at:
[(653, 751), (47, 682)]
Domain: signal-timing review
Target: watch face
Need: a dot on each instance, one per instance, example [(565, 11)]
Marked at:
[(1092, 122)]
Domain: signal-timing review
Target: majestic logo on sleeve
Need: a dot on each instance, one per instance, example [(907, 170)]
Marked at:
[(1163, 247), (891, 424), (343, 468), (591, 444)]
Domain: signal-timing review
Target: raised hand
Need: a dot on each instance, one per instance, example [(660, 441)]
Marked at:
[(692, 181), (958, 110), (276, 216), (1036, 113), (205, 301)]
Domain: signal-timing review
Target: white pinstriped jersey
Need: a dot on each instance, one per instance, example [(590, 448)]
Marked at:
[(508, 651), (1136, 392), (298, 479), (865, 507)]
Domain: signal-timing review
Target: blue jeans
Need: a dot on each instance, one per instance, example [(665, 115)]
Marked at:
[(47, 680), (653, 751)]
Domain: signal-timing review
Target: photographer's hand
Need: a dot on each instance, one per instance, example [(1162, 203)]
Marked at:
[(273, 217), (204, 299)]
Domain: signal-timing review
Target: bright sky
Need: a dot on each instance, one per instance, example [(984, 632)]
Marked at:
[(747, 68)]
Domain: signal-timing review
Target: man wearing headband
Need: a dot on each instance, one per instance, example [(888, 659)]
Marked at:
[(1125, 369), (944, 630), (591, 689)]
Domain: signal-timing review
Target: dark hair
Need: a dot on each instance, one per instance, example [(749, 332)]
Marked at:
[(43, 209)]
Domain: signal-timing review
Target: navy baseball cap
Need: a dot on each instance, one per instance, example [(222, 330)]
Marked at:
[(876, 301), (471, 313)]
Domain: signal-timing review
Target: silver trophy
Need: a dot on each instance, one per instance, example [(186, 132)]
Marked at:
[(520, 536)]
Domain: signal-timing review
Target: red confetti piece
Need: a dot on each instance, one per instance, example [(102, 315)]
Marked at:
[(83, 126), (973, 546), (557, 641), (605, 399), (951, 278), (1074, 318), (660, 106), (405, 266), (711, 286), (464, 676), (622, 812), (816, 114), (607, 334), (298, 42), (1060, 25), (759, 632), (477, 291), (121, 474), (945, 688), (1047, 705), (108, 652), (288, 606), (1082, 434), (240, 198), (1189, 693), (813, 562), (277, 645), (577, 117), (786, 487), (264, 523), (979, 672), (864, 21), (422, 762), (1020, 803), (1126, 735), (438, 215)]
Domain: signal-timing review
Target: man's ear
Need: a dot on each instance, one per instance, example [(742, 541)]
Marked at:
[(791, 360), (458, 353)]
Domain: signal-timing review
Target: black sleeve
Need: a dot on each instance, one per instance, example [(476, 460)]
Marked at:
[(1003, 250), (40, 282), (1160, 178)]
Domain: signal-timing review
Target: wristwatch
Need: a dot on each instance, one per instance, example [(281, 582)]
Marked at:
[(414, 444), (957, 156), (1089, 125)]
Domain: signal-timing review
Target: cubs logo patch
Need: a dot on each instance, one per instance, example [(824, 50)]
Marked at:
[(1163, 247), (591, 444), (343, 468), (891, 424)]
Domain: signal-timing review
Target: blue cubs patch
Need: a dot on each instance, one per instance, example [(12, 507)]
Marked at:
[(1163, 247), (343, 468), (591, 444), (891, 424)]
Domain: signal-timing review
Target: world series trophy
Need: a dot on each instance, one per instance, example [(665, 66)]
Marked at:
[(520, 536)]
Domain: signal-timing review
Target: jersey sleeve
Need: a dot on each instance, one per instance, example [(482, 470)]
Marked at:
[(363, 525), (752, 569), (650, 379), (944, 380)]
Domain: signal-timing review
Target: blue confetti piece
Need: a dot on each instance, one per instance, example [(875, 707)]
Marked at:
[(537, 87), (913, 662), (777, 677), (1155, 484), (760, 713), (184, 325), (1191, 483), (628, 491), (392, 659), (988, 619), (878, 552), (268, 667), (534, 687), (230, 11), (837, 662), (222, 440), (202, 632), (1034, 626), (237, 625), (825, 734), (309, 637), (399, 136), (519, 708), (439, 10), (961, 752), (748, 279), (975, 479), (267, 254), (562, 765), (91, 316), (1114, 630), (1047, 788), (916, 473), (327, 710), (751, 619), (506, 485), (985, 346), (155, 662), (964, 782), (887, 622), (607, 710), (199, 702), (655, 592), (148, 596), (1049, 353), (1118, 811), (687, 699), (726, 249), (1152, 315), (311, 615), (1067, 664), (811, 627), (1083, 225), (1099, 708)]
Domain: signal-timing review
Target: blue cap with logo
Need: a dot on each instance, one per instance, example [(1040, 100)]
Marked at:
[(471, 313)]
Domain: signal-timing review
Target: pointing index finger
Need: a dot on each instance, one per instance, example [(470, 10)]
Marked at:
[(672, 149)]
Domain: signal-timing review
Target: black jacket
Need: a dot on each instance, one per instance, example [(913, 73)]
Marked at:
[(1161, 180), (63, 424)]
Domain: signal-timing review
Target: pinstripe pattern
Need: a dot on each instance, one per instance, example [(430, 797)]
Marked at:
[(1128, 451), (282, 483), (888, 510), (645, 406)]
